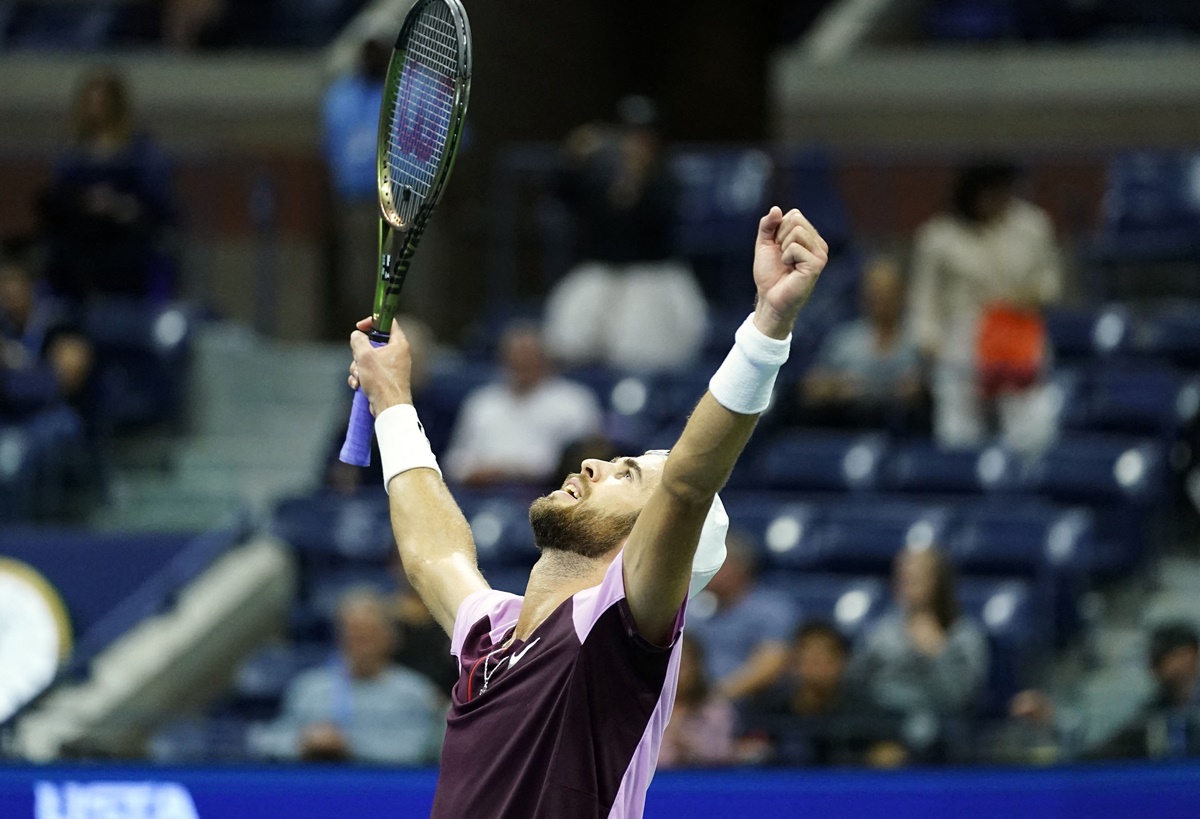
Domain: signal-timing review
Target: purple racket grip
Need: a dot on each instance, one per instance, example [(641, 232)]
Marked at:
[(356, 449)]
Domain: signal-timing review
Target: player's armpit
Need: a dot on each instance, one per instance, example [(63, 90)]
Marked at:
[(435, 543)]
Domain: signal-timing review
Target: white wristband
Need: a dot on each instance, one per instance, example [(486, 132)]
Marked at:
[(743, 383), (402, 442)]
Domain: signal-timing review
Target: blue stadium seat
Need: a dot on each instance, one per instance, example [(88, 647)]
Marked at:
[(851, 603), (922, 466), (1172, 333), (500, 526), (811, 461), (335, 528), (1008, 612), (450, 382), (1022, 538), (1150, 201), (807, 180), (142, 354), (722, 195), (1138, 398), (781, 529), (1084, 335), (866, 537), (199, 741), (1099, 469), (261, 681), (507, 578)]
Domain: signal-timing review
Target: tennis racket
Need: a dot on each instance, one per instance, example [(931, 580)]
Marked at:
[(420, 126)]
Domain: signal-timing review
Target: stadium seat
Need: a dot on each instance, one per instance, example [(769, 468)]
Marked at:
[(781, 529), (866, 537), (450, 382), (333, 528), (813, 461), (1099, 469), (500, 526), (807, 180), (1174, 334), (1027, 539), (722, 195), (261, 681), (1136, 398), (142, 354), (1151, 206), (922, 466), (1085, 335), (851, 603), (1008, 612)]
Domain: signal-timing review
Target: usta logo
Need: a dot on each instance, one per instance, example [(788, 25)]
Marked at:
[(113, 800)]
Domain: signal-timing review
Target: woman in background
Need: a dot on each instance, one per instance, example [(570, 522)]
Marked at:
[(924, 661)]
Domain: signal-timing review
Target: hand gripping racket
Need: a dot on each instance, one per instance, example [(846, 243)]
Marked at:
[(420, 125)]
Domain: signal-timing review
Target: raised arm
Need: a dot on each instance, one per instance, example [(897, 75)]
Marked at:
[(789, 255), (435, 542)]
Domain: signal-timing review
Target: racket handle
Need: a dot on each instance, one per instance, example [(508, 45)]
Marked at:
[(356, 449)]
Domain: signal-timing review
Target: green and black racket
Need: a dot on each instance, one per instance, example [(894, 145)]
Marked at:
[(420, 127)]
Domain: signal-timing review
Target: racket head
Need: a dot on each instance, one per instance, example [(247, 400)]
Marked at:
[(424, 106)]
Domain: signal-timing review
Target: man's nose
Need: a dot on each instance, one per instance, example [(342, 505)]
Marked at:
[(593, 469)]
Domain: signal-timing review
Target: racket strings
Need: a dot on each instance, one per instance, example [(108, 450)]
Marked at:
[(422, 116)]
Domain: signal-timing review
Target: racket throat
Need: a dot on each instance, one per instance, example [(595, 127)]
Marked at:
[(395, 254)]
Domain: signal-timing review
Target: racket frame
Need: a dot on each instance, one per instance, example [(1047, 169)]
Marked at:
[(398, 237)]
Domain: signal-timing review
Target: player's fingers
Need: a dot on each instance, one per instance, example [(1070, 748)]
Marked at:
[(353, 382), (803, 235), (795, 218), (769, 224), (796, 255), (365, 324), (359, 343)]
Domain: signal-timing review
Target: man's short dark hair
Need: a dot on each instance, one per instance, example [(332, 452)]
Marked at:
[(822, 628), (1171, 636)]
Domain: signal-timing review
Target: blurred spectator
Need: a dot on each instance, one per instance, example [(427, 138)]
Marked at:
[(421, 644), (747, 634), (924, 660), (108, 207), (817, 715), (867, 371), (350, 127), (515, 430), (358, 707), (42, 359), (347, 478), (700, 733), (1156, 718), (981, 275), (629, 303)]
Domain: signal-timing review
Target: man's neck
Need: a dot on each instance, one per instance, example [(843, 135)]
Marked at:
[(555, 577)]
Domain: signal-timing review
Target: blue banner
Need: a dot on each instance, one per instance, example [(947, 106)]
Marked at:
[(1100, 792)]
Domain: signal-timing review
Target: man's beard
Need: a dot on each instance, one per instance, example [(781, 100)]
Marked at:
[(584, 531)]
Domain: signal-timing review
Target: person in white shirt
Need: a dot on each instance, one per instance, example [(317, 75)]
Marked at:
[(990, 249), (515, 430)]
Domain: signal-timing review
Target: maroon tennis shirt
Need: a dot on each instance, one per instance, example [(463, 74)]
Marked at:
[(564, 725)]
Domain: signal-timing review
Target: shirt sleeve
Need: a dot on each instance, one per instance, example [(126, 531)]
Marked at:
[(591, 603), (501, 608)]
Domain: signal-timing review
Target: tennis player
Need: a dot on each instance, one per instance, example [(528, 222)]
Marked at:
[(563, 694)]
